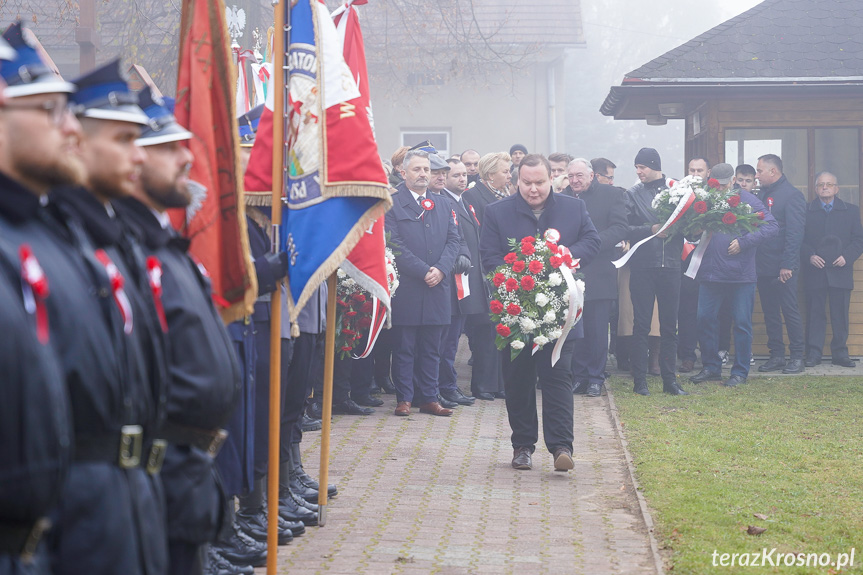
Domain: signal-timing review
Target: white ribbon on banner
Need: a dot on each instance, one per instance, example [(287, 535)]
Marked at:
[(698, 255), (685, 202)]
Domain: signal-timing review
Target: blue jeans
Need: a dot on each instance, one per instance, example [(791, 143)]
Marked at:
[(741, 297)]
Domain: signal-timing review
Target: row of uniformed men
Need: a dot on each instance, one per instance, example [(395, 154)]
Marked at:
[(119, 374)]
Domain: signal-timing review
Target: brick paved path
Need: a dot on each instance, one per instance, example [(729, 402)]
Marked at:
[(429, 494)]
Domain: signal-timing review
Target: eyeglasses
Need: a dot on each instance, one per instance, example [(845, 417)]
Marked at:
[(609, 178), (56, 109), (825, 185)]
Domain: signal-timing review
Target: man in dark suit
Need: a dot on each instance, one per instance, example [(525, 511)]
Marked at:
[(777, 262), (531, 211), (832, 242), (608, 214), (427, 242)]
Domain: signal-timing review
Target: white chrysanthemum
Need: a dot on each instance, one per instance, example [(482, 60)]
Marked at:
[(555, 279), (655, 203), (549, 316), (555, 333), (748, 208), (540, 340), (341, 273), (516, 344), (527, 324), (541, 299), (349, 282)]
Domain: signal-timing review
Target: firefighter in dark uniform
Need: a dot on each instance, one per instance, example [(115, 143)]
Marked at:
[(35, 429), (110, 514), (204, 378)]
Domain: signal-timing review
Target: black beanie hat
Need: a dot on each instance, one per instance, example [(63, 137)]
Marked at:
[(650, 158), (517, 147)]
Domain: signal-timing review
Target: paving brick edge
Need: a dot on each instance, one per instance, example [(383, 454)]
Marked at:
[(642, 502)]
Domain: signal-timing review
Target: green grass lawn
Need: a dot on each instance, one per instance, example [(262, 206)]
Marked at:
[(790, 449)]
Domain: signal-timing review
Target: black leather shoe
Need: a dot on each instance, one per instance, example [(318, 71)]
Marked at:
[(485, 396), (500, 394), (594, 390), (521, 458), (445, 403), (368, 401), (563, 459), (255, 526), (705, 375), (350, 407), (674, 389), (315, 410), (290, 509), (641, 388), (303, 491), (386, 385), (458, 397), (299, 474), (580, 388), (794, 366), (734, 380), (844, 362), (772, 364), (216, 564), (812, 361), (308, 424)]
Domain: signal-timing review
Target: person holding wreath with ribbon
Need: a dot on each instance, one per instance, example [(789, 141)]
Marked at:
[(535, 211)]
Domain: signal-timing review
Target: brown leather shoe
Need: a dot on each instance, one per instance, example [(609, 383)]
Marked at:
[(403, 408), (687, 366), (435, 408)]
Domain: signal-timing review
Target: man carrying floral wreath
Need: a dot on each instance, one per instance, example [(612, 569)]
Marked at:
[(532, 212)]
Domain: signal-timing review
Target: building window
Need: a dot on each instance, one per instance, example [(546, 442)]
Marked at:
[(746, 145), (837, 150), (438, 137)]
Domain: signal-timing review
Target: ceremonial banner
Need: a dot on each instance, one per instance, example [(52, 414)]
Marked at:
[(336, 189), (215, 222)]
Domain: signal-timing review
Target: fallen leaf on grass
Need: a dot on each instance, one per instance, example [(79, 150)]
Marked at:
[(760, 516), (404, 559), (753, 530)]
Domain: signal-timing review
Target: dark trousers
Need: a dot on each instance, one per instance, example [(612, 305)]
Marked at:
[(352, 378), (520, 387), (778, 301), (184, 558), (447, 376), (486, 376), (383, 354), (663, 286), (416, 355), (363, 375), (591, 353), (740, 298), (816, 321), (306, 367), (725, 324), (687, 319), (262, 393)]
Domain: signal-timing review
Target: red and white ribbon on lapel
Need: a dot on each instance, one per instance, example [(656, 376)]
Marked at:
[(154, 275), (34, 286), (473, 212), (462, 286), (117, 283), (684, 204)]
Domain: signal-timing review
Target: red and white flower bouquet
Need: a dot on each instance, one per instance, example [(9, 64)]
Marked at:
[(536, 297)]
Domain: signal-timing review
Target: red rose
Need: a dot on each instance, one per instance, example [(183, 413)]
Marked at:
[(518, 266), (527, 249), (513, 309), (510, 257), (700, 207), (511, 284), (713, 183), (498, 279), (527, 283), (555, 261), (528, 240), (760, 215), (347, 348), (367, 307), (364, 322), (351, 313), (535, 267), (358, 297), (551, 246), (347, 331), (342, 302), (503, 330), (733, 201), (729, 218), (495, 306)]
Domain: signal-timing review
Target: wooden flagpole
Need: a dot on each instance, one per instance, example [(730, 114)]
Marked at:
[(280, 62), (326, 417)]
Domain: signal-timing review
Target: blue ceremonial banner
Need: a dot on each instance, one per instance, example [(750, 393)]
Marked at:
[(335, 185)]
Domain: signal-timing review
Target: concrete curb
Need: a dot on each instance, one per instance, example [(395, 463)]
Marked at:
[(642, 503)]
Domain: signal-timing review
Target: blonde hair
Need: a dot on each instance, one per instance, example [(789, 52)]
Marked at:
[(489, 162)]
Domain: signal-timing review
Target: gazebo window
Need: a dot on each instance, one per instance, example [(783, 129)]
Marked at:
[(837, 150), (746, 145)]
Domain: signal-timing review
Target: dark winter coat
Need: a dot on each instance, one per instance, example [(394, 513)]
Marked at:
[(843, 224), (782, 251), (658, 252)]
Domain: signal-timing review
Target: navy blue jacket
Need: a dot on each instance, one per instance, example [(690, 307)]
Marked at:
[(468, 225), (120, 508), (422, 239), (782, 251), (843, 224)]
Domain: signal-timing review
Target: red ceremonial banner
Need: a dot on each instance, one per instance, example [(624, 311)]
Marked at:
[(215, 222)]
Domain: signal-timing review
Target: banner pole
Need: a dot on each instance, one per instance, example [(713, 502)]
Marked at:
[(326, 417), (279, 69)]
